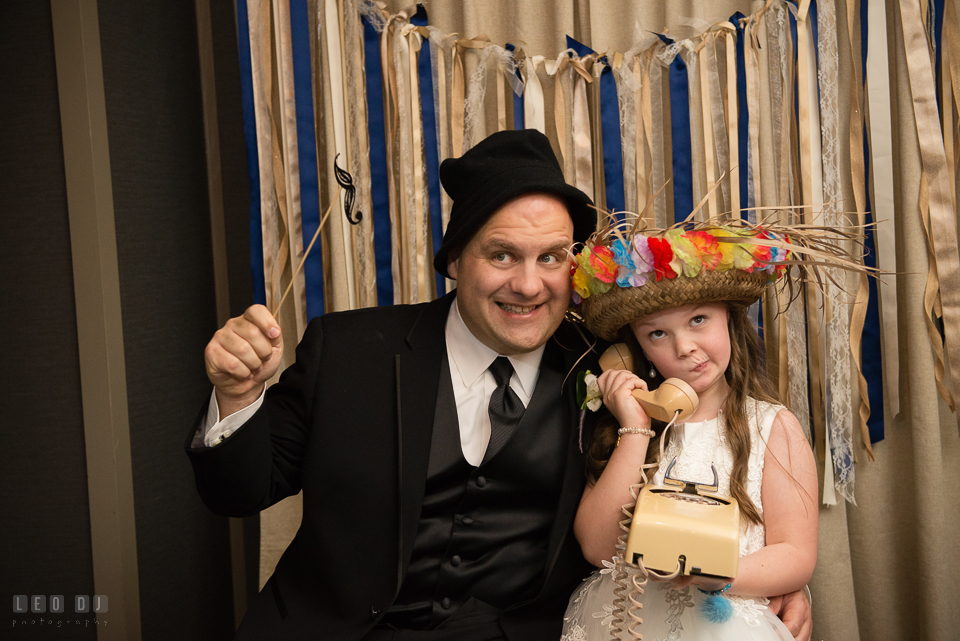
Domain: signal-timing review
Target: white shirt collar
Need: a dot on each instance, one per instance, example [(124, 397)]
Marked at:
[(469, 358)]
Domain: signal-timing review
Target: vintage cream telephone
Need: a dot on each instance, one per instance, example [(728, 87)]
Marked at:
[(679, 526)]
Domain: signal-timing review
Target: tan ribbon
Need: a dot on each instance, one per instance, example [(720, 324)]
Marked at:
[(859, 181), (659, 173), (709, 148), (642, 158), (443, 130), (943, 227), (259, 28), (718, 117), (582, 142), (559, 104), (290, 168), (457, 100), (391, 126), (501, 100), (406, 218), (649, 215), (752, 53)]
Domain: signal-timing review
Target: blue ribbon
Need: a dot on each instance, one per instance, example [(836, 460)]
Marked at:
[(517, 100), (610, 128), (253, 160), (682, 151), (379, 185), (307, 154), (743, 118), (430, 147), (938, 40), (872, 361)]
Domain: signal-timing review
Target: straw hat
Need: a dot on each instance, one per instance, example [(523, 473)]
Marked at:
[(623, 273)]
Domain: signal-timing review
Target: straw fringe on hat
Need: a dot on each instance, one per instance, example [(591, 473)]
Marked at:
[(623, 272)]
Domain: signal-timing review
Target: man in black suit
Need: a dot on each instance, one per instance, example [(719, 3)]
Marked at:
[(436, 444), (426, 513)]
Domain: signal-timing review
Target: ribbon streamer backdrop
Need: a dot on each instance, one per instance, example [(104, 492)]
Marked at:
[(741, 103)]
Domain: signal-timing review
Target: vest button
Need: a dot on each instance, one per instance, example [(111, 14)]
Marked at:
[(445, 603), (374, 613), (455, 560), (467, 520), (481, 481)]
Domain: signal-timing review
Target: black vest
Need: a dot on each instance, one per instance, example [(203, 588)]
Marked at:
[(483, 530)]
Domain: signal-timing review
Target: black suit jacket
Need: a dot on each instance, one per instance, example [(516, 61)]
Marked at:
[(350, 424)]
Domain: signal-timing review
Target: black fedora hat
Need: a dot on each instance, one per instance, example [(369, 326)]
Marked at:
[(502, 167)]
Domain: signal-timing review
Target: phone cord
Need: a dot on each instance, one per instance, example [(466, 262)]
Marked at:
[(623, 571)]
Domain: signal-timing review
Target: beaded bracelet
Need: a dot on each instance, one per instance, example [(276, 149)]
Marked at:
[(634, 430), (716, 592)]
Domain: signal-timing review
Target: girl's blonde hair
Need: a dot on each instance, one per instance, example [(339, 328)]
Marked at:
[(745, 376)]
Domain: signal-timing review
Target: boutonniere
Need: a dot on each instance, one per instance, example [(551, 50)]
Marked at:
[(588, 391)]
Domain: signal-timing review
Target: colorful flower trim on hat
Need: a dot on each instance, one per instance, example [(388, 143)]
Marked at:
[(635, 261)]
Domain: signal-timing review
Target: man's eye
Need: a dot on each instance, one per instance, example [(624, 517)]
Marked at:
[(548, 259), (501, 257)]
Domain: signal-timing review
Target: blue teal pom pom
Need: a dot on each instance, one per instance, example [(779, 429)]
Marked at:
[(716, 608)]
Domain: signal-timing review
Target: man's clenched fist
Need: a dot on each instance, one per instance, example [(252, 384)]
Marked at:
[(242, 356)]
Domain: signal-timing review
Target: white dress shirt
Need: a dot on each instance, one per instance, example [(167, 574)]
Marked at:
[(473, 384)]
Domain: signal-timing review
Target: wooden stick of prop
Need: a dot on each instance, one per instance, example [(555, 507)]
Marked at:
[(326, 214)]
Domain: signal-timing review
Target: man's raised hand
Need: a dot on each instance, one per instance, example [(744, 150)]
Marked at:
[(242, 356)]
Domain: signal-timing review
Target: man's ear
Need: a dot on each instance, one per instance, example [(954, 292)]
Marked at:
[(453, 258)]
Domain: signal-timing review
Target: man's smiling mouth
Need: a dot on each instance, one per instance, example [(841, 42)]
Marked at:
[(516, 309)]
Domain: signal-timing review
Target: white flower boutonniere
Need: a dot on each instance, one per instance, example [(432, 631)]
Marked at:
[(588, 391)]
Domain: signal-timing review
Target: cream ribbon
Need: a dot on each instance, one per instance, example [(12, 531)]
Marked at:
[(340, 229), (421, 219), (881, 166), (534, 116)]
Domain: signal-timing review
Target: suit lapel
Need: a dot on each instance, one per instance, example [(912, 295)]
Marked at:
[(573, 478), (418, 378)]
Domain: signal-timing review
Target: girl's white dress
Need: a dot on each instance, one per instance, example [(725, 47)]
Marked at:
[(670, 614)]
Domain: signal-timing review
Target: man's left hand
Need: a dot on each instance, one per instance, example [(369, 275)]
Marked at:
[(795, 612)]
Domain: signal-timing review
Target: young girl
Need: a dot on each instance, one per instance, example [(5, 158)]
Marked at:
[(679, 300)]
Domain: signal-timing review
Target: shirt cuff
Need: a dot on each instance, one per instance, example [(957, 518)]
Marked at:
[(214, 431)]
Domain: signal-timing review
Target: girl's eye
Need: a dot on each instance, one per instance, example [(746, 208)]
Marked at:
[(657, 333), (698, 319)]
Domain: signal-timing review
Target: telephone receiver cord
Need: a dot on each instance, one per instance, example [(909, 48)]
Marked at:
[(622, 569)]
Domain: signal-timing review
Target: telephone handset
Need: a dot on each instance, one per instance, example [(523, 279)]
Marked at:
[(674, 397)]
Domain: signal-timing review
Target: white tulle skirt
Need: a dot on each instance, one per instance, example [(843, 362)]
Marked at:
[(667, 614)]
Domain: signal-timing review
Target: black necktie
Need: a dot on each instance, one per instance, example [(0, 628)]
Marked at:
[(505, 407)]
